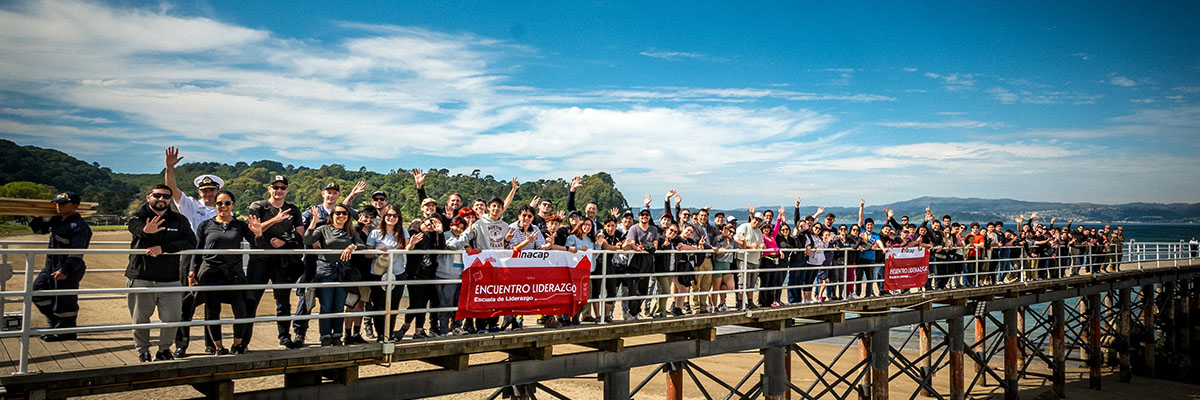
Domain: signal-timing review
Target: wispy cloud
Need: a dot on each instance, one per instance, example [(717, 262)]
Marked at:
[(1122, 81), (672, 55), (961, 124), (1042, 97)]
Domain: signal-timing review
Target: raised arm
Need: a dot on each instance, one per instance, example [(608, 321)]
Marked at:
[(796, 213), (511, 193), (358, 189), (576, 182), (172, 158), (861, 203)]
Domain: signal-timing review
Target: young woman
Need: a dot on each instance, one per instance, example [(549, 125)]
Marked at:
[(664, 263), (357, 297), (390, 235), (816, 261), (423, 267), (772, 280), (338, 234), (583, 239), (723, 261), (610, 239), (224, 232)]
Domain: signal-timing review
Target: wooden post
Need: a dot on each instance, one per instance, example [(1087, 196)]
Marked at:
[(864, 353), (1124, 323), (1170, 341), (787, 365), (957, 385), (616, 384), (1084, 332), (926, 343), (1194, 320), (674, 381), (1010, 354), (1057, 341), (980, 346), (1021, 334), (1095, 360), (1148, 321), (1183, 320), (879, 364), (774, 382)]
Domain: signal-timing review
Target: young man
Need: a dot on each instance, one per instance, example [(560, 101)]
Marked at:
[(62, 271), (159, 231), (748, 236), (488, 232), (196, 211), (641, 237), (282, 229)]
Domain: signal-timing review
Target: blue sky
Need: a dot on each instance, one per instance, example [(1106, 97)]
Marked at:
[(730, 103)]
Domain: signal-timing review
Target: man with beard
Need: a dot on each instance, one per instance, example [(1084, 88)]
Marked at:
[(63, 271), (159, 231), (454, 201), (281, 230)]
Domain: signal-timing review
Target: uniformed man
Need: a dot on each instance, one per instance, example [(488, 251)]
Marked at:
[(196, 211), (63, 271)]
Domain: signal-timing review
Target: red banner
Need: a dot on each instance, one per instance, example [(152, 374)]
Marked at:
[(507, 282), (905, 268)]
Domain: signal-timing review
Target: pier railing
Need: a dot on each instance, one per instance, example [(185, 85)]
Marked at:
[(965, 272)]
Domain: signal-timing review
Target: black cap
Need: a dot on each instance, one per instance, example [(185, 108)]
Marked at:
[(279, 178), (66, 197), (332, 185), (378, 193), (644, 212)]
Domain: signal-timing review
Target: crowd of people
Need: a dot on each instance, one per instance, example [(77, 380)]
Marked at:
[(764, 261)]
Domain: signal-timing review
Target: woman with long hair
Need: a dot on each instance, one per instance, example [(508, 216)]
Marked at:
[(390, 235), (224, 231), (338, 234), (582, 238)]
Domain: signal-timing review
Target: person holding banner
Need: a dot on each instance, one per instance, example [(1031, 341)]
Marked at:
[(450, 266), (488, 232)]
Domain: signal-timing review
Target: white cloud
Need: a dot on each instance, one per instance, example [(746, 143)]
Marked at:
[(910, 69), (1187, 89), (1002, 94), (1122, 81), (1142, 101), (962, 124), (672, 55)]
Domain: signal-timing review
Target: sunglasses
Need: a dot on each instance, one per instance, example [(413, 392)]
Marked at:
[(340, 213), (160, 195), (224, 203), (391, 215), (279, 187), (379, 199)]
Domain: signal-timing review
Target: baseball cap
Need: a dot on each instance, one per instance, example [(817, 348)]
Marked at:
[(428, 200), (378, 193), (66, 197), (279, 178), (332, 185)]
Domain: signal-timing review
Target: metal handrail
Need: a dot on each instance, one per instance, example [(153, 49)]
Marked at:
[(1018, 264)]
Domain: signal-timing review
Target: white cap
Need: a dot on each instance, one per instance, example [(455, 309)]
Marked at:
[(208, 180)]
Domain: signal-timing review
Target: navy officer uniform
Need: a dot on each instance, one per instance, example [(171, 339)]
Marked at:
[(62, 271)]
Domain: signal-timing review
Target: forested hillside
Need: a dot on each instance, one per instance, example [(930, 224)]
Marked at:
[(119, 193)]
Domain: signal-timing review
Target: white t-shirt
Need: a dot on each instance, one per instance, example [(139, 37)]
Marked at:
[(195, 211)]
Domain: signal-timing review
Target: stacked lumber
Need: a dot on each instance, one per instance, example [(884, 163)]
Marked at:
[(40, 208)]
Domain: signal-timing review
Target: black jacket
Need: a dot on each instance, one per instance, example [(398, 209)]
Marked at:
[(176, 236)]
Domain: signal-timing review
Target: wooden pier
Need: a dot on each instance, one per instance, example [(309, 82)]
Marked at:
[(1087, 317)]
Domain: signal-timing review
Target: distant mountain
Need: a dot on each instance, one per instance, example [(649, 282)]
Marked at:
[(976, 209)]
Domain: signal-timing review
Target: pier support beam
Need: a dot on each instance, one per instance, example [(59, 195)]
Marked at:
[(980, 347), (1148, 321), (1124, 322), (1021, 334), (616, 384), (1058, 345), (879, 364), (1011, 373), (1183, 318), (1096, 358), (957, 385), (926, 364), (675, 381), (1170, 341), (864, 354), (1193, 306), (775, 379)]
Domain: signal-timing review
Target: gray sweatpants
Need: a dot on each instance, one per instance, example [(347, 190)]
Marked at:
[(142, 306)]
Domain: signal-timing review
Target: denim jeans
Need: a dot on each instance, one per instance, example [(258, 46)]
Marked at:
[(333, 300)]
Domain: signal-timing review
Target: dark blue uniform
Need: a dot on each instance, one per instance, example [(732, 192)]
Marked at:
[(65, 233)]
